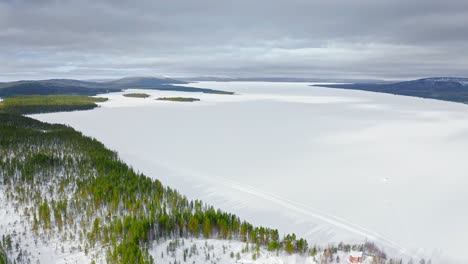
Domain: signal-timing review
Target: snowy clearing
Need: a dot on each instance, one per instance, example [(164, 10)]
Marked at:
[(219, 251)]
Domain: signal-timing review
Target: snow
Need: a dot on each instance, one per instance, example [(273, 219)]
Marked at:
[(44, 249), (118, 100), (220, 251), (356, 254), (328, 164), (51, 249)]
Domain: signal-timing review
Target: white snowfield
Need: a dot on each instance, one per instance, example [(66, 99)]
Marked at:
[(330, 165)]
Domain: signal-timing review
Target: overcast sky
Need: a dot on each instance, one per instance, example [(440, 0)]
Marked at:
[(388, 39)]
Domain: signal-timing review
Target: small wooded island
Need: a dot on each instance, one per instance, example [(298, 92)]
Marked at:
[(178, 99), (137, 95)]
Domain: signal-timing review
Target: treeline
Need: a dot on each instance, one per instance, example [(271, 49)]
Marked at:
[(71, 185), (32, 104)]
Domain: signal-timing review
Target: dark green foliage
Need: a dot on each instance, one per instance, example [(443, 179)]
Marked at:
[(129, 251), (44, 214), (137, 95), (66, 179), (49, 103), (22, 88), (13, 121), (3, 257), (313, 251), (178, 99)]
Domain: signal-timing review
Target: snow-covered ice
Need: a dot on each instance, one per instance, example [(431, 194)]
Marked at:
[(328, 164)]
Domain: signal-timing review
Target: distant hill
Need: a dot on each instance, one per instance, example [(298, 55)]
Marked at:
[(52, 82), (273, 79), (441, 88), (143, 81), (78, 87), (48, 88)]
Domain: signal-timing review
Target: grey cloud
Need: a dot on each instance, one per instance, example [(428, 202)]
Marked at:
[(321, 38)]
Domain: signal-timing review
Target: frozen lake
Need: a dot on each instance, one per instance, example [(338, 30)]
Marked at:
[(329, 165)]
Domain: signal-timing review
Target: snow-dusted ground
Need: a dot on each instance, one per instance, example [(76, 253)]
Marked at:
[(326, 164), (47, 248), (219, 251)]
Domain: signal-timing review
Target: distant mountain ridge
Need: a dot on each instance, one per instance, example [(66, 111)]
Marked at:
[(143, 81), (78, 87), (452, 89), (445, 79), (275, 79)]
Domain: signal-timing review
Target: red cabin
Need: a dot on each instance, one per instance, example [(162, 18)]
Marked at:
[(355, 257)]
